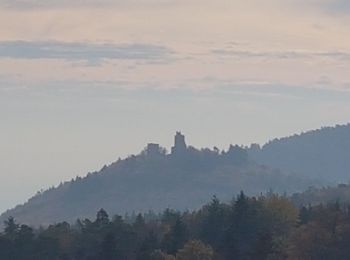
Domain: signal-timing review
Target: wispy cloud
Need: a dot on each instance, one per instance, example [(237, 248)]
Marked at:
[(257, 54), (339, 55), (25, 4), (90, 52), (28, 4)]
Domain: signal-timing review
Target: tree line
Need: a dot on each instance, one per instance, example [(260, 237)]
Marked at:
[(265, 227)]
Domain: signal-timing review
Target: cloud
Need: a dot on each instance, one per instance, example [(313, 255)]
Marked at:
[(337, 55), (90, 52), (252, 54), (25, 4), (29, 4), (339, 5)]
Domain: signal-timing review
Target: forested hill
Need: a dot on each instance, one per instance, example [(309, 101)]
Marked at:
[(323, 154), (153, 180), (325, 195)]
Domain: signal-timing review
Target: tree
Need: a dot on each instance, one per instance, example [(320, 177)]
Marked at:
[(139, 224), (282, 213), (195, 250), (25, 234), (176, 237), (213, 222), (11, 228), (24, 242), (102, 218), (247, 224), (149, 243), (108, 248), (159, 255), (304, 216), (6, 248), (263, 247), (310, 241)]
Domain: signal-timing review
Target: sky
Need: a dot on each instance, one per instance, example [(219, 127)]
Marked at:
[(84, 82)]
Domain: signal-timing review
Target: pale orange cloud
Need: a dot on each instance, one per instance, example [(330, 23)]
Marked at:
[(192, 29)]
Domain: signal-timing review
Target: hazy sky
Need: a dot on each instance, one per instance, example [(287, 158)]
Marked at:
[(87, 81)]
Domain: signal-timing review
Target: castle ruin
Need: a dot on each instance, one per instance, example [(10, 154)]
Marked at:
[(179, 145)]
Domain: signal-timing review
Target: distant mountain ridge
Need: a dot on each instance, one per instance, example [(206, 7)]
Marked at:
[(153, 180), (319, 154)]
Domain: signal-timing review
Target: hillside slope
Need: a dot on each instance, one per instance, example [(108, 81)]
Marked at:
[(325, 195), (154, 180), (322, 154)]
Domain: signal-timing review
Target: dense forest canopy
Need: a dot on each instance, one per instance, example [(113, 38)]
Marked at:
[(264, 227)]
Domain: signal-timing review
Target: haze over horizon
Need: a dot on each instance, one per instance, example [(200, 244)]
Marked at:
[(85, 82)]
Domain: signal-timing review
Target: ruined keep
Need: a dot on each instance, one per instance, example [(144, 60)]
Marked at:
[(153, 149), (179, 144)]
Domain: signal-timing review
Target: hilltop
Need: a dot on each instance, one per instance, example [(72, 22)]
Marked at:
[(153, 180), (318, 154)]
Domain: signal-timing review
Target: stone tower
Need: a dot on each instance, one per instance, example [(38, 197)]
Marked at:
[(153, 149), (179, 145)]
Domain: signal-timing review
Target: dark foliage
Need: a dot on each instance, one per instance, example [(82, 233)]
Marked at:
[(265, 227)]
